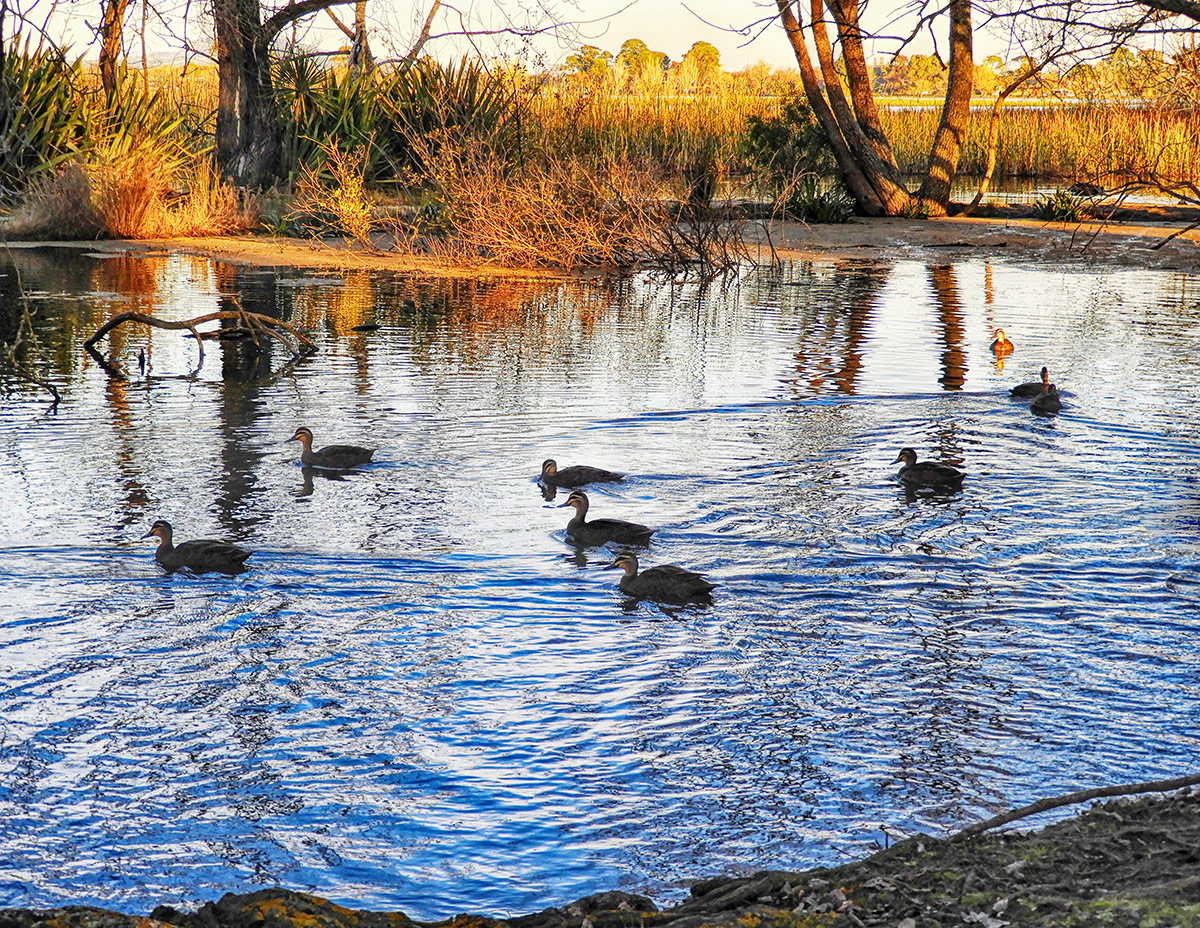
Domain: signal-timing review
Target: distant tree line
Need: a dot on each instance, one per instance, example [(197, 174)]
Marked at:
[(1122, 75)]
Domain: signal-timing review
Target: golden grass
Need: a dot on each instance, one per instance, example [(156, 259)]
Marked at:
[(1065, 142), (135, 195), (669, 130)]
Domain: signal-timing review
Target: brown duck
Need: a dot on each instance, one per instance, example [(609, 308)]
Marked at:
[(199, 556), (577, 475), (331, 457), (665, 583), (1046, 403), (601, 531), (927, 473), (1029, 390)]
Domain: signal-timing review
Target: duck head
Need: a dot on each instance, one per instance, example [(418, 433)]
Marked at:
[(549, 467), (578, 499), (303, 435), (626, 562), (907, 455), (160, 529)]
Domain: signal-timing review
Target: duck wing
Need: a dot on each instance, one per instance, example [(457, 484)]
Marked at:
[(670, 583), (931, 474), (203, 555), (579, 475), (342, 456)]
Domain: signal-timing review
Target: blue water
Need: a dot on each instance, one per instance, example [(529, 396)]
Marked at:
[(422, 698)]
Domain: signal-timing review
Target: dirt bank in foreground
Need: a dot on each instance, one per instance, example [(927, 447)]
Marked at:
[(1129, 243), (1124, 863)]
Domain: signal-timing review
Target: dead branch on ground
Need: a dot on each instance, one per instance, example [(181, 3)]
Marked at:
[(1085, 795)]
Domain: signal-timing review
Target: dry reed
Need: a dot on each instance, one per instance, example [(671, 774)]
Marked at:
[(1092, 142)]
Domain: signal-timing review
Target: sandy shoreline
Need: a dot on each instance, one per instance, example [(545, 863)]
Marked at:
[(1129, 244)]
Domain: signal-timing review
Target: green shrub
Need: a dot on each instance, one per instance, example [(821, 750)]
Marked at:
[(44, 116), (1060, 206), (786, 145), (808, 201), (381, 113)]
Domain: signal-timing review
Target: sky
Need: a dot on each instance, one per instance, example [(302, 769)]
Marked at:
[(739, 29), (671, 26)]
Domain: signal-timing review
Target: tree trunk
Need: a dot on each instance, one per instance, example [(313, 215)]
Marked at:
[(247, 141), (112, 22), (361, 59), (860, 188), (857, 155), (858, 76), (881, 172), (994, 131), (934, 194)]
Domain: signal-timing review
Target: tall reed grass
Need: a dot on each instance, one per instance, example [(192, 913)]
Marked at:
[(1108, 141), (661, 129)]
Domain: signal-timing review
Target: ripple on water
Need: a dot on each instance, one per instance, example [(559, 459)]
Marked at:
[(422, 697)]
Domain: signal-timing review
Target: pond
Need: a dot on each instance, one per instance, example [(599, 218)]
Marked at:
[(420, 696)]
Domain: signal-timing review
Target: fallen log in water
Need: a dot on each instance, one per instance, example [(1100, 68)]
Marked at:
[(252, 325)]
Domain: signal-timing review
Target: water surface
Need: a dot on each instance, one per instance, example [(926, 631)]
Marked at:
[(422, 698)]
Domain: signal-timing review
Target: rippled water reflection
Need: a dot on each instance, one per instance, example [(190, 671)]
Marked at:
[(422, 698)]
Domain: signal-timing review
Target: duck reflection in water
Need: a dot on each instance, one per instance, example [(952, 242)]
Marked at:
[(308, 484)]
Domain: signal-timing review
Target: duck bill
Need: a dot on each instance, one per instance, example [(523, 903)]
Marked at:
[(148, 534), (899, 458)]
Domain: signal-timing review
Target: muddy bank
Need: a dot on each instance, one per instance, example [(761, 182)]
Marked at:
[(1136, 239), (1123, 863)]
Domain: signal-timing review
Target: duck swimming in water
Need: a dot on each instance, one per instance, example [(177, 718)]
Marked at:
[(331, 457), (1001, 346), (577, 475), (1028, 390), (666, 583), (601, 531), (927, 473), (199, 556), (1046, 403)]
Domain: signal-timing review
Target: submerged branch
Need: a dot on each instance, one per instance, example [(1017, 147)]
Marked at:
[(252, 324)]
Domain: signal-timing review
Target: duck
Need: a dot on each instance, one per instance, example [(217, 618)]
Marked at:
[(1046, 403), (666, 583), (332, 457), (199, 556), (1001, 346), (1026, 390), (601, 531), (927, 473), (577, 475)]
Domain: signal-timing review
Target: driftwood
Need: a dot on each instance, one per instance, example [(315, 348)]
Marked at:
[(1083, 795), (252, 325)]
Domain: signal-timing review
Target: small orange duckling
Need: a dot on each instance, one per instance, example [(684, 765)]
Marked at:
[(1001, 346)]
